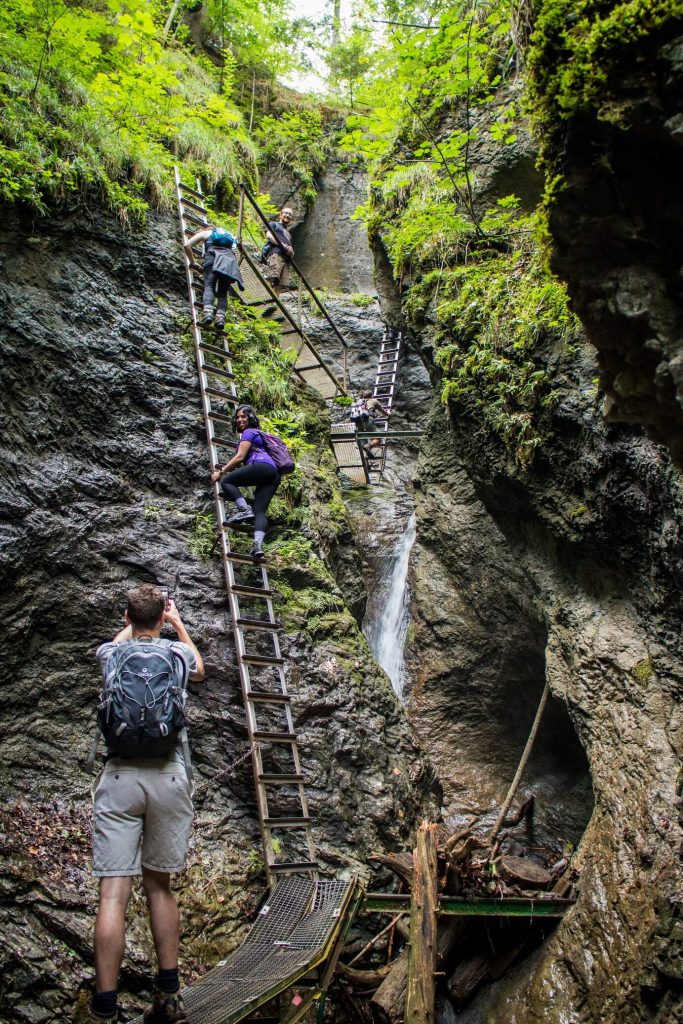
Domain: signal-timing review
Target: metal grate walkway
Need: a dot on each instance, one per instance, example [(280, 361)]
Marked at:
[(280, 794), (299, 929)]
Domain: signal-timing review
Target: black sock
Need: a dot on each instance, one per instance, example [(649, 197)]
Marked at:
[(103, 1004), (168, 980)]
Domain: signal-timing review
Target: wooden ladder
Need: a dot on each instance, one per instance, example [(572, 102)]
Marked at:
[(274, 747), (383, 389)]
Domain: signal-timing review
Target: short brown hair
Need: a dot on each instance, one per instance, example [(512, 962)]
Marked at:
[(146, 605)]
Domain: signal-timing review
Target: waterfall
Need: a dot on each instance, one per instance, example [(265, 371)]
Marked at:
[(386, 629)]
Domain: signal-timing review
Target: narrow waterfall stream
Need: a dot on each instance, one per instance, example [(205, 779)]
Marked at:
[(386, 631)]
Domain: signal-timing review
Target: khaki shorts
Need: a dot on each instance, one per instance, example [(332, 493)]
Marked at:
[(142, 817), (277, 269)]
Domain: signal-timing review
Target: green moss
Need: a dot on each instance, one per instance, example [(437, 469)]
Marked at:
[(580, 50), (362, 301), (204, 534), (643, 670), (577, 512)]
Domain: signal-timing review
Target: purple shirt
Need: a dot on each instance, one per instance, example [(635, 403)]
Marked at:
[(257, 452)]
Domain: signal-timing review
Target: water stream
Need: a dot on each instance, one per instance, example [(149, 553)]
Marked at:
[(387, 627)]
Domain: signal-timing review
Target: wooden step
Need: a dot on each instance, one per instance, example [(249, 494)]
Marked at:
[(195, 220), (275, 737), (222, 417), (287, 822), (270, 779), (247, 622), (269, 698), (216, 393), (224, 442), (192, 191), (217, 372), (250, 591), (193, 206), (291, 867), (215, 350), (239, 556), (261, 659)]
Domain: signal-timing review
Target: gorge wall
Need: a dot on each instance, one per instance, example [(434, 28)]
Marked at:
[(105, 486), (565, 567)]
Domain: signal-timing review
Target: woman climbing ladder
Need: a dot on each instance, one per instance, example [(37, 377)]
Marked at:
[(250, 466)]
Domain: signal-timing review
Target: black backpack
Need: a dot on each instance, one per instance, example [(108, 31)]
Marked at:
[(141, 709)]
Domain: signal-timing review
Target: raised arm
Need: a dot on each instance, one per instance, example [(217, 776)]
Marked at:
[(172, 616), (237, 460), (201, 236)]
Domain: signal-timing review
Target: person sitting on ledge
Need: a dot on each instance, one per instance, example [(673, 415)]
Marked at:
[(221, 269), (250, 466)]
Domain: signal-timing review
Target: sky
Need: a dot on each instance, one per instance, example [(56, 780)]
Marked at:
[(316, 9)]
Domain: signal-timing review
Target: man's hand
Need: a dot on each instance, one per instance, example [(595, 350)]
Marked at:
[(172, 616)]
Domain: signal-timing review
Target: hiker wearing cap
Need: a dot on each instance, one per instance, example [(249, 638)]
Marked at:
[(142, 812)]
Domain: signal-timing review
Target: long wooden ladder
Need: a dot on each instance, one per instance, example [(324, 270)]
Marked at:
[(383, 389), (275, 754)]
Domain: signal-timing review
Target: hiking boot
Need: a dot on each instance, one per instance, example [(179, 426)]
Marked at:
[(166, 1008), (371, 453), (268, 311), (207, 318), (219, 322), (241, 516), (257, 550), (98, 1018)]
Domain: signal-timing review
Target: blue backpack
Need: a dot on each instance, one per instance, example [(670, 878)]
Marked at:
[(222, 238)]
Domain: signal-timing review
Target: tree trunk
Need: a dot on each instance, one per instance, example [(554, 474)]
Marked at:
[(423, 940)]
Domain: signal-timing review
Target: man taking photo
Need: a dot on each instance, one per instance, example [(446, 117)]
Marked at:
[(142, 801)]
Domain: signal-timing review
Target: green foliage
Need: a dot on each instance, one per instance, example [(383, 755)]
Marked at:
[(361, 300), (580, 49), (296, 142), (204, 533), (495, 315), (93, 101)]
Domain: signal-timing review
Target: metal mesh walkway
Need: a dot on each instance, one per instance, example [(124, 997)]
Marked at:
[(297, 929)]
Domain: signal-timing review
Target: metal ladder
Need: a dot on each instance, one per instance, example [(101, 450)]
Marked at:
[(262, 675), (383, 389)]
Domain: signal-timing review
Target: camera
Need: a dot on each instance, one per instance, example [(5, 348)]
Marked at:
[(168, 596)]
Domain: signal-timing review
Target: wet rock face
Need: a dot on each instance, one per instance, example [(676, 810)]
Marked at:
[(569, 572), (617, 226), (105, 486)]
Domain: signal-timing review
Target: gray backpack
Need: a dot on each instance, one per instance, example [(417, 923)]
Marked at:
[(141, 709)]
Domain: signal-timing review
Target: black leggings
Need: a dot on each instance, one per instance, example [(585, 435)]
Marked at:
[(215, 284), (261, 475)]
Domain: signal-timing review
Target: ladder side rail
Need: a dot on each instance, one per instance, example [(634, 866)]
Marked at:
[(305, 340), (291, 260), (233, 602)]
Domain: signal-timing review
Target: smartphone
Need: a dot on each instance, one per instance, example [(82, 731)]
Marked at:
[(167, 595)]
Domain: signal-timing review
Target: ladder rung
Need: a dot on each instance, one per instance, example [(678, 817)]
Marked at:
[(195, 220), (280, 780), (286, 822), (215, 350), (208, 368), (222, 417), (192, 191), (275, 737), (239, 556), (262, 659), (252, 623), (244, 591), (193, 206), (217, 393), (293, 866), (385, 351), (223, 442), (269, 698)]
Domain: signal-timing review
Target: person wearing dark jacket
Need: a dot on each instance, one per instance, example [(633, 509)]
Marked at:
[(277, 257), (221, 269), (250, 466)]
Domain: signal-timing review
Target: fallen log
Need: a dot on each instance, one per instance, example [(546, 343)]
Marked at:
[(420, 988), (389, 1000), (524, 871), (364, 981), (400, 863)]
